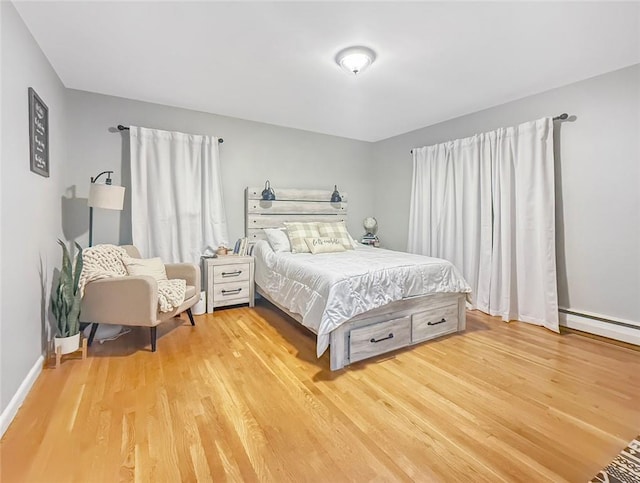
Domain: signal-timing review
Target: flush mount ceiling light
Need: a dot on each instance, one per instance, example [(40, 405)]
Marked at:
[(355, 59)]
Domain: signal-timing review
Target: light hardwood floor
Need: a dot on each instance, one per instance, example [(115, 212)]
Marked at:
[(241, 397)]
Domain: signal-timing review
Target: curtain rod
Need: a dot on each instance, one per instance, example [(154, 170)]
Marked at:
[(562, 117), (125, 128)]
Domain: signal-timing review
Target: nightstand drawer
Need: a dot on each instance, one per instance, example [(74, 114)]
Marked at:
[(231, 273), (231, 293)]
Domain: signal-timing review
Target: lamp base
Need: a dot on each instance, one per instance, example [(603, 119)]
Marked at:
[(106, 332)]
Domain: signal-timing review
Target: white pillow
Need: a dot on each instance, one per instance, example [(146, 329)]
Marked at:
[(278, 239), (145, 266), (354, 243), (324, 244)]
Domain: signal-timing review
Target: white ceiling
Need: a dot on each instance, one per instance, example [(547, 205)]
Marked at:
[(274, 61)]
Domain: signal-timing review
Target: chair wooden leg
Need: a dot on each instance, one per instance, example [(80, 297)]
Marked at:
[(92, 334), (193, 322), (154, 336)]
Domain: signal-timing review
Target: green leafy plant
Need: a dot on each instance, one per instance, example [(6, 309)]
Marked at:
[(65, 301)]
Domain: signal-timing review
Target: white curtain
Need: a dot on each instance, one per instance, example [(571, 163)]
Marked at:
[(177, 211), (487, 204)]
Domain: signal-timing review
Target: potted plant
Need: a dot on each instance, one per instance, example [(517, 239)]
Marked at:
[(65, 302)]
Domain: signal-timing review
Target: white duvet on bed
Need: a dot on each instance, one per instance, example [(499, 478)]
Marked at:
[(330, 288)]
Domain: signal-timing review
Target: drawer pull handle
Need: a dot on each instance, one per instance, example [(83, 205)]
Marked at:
[(231, 292), (231, 274), (436, 323), (390, 336)]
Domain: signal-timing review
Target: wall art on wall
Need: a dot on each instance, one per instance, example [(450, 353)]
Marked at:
[(38, 134)]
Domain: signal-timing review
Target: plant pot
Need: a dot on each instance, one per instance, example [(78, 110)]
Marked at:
[(67, 344)]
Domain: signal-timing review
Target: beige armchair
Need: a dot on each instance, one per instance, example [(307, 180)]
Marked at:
[(133, 300)]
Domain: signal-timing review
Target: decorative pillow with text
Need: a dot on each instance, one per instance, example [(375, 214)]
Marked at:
[(324, 244)]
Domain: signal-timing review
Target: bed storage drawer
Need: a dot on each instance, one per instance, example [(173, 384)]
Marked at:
[(379, 338), (434, 322)]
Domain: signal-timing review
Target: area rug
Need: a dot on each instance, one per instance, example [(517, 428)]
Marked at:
[(625, 468)]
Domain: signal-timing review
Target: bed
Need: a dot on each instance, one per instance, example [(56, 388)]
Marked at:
[(360, 303)]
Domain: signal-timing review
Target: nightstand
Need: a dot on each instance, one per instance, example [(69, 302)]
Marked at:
[(229, 281)]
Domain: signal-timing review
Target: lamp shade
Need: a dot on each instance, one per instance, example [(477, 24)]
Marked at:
[(106, 196)]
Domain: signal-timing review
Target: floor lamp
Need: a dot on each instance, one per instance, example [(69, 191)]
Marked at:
[(109, 197)]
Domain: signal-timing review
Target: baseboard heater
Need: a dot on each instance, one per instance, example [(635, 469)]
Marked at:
[(622, 330)]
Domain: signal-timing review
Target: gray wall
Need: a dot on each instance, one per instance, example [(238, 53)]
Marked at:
[(251, 153), (30, 203), (597, 185)]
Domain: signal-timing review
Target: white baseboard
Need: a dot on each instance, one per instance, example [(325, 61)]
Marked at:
[(604, 329), (18, 398)]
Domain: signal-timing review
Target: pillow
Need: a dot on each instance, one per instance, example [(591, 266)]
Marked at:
[(337, 230), (324, 244), (354, 243), (278, 239), (297, 232), (145, 266)]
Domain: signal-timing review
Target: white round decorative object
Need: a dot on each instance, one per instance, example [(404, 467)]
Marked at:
[(370, 225), (201, 306)]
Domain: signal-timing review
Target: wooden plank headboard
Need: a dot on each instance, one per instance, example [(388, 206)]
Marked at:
[(290, 205)]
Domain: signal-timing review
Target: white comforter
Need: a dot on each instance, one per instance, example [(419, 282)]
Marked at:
[(330, 288)]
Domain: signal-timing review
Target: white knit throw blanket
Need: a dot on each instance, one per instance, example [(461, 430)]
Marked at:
[(105, 261)]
